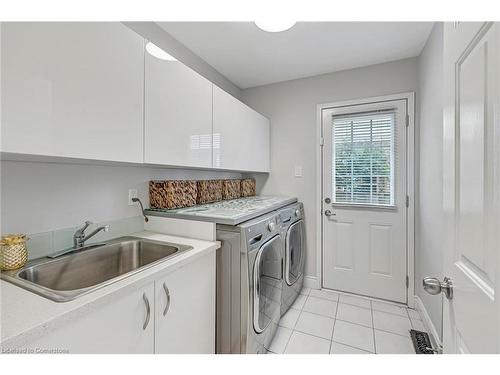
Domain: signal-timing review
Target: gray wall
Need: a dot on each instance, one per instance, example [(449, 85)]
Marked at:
[(167, 42), (429, 212), (291, 107), (38, 197)]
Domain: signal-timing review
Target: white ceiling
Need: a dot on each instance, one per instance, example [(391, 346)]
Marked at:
[(251, 57)]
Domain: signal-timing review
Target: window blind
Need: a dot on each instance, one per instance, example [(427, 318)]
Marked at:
[(363, 158)]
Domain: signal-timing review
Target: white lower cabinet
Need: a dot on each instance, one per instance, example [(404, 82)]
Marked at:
[(116, 327), (173, 314), (185, 309)]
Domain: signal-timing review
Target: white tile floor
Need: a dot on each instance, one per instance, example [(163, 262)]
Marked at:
[(322, 322)]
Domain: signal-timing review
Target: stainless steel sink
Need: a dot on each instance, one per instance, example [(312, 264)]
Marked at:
[(70, 276)]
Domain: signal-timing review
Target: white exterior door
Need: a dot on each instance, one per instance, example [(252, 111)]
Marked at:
[(364, 212), (471, 321)]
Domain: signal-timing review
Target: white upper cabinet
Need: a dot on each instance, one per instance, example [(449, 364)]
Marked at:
[(178, 115), (240, 135), (72, 90), (89, 90)]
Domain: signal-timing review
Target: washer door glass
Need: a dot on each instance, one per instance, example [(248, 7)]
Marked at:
[(267, 284), (294, 255)]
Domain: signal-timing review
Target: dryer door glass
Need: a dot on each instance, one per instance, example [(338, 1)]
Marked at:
[(294, 256), (267, 284)]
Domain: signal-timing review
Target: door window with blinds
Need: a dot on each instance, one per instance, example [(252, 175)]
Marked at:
[(363, 159)]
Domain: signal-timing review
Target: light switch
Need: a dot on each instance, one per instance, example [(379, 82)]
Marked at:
[(298, 171)]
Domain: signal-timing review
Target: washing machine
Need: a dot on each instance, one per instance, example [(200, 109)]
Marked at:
[(294, 253), (249, 284)]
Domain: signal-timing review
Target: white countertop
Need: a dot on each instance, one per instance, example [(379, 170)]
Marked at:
[(230, 212), (25, 315)]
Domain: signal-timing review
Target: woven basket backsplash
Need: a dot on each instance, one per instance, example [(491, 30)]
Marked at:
[(172, 194)]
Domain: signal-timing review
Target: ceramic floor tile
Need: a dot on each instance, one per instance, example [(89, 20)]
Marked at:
[(280, 340), (320, 306), (356, 301), (301, 343), (387, 307), (414, 314), (338, 348), (305, 291), (389, 343), (354, 314), (353, 335), (325, 294), (299, 302), (316, 325), (418, 325), (290, 318), (391, 323)]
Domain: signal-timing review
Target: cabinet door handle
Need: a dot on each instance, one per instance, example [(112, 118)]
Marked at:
[(167, 294), (148, 311)]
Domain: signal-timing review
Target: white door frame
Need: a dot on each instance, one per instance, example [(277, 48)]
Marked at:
[(410, 184)]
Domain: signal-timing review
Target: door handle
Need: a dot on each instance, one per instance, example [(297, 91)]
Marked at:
[(148, 311), (329, 213), (167, 294), (433, 286)]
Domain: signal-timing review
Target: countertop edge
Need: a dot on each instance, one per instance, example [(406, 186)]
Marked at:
[(87, 303)]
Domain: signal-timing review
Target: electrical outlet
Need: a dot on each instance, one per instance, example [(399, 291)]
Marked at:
[(132, 193), (298, 171)]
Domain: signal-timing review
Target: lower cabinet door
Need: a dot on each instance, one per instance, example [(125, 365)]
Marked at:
[(185, 309), (125, 325)]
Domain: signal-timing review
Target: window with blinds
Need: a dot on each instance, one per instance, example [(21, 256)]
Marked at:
[(363, 159)]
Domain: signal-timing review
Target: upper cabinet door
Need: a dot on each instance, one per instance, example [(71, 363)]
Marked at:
[(178, 118), (240, 135), (72, 90)]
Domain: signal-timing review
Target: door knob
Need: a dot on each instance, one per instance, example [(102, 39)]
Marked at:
[(433, 286), (329, 213)]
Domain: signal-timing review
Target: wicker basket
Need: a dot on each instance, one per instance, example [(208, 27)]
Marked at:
[(13, 252), (172, 194), (248, 187), (231, 189), (209, 191)]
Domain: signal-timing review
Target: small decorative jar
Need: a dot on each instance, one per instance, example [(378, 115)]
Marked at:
[(13, 252)]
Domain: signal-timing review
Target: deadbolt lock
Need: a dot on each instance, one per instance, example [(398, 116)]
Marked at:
[(328, 200)]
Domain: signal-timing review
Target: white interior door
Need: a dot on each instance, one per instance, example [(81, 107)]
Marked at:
[(471, 320), (364, 213)]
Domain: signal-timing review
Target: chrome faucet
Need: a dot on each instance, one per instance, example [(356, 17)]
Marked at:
[(79, 237)]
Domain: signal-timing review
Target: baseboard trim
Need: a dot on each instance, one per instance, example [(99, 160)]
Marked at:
[(311, 282), (419, 305)]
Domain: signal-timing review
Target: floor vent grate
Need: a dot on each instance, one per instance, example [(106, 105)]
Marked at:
[(421, 342)]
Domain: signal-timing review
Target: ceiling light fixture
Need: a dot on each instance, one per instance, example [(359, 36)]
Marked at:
[(275, 26), (157, 52)]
